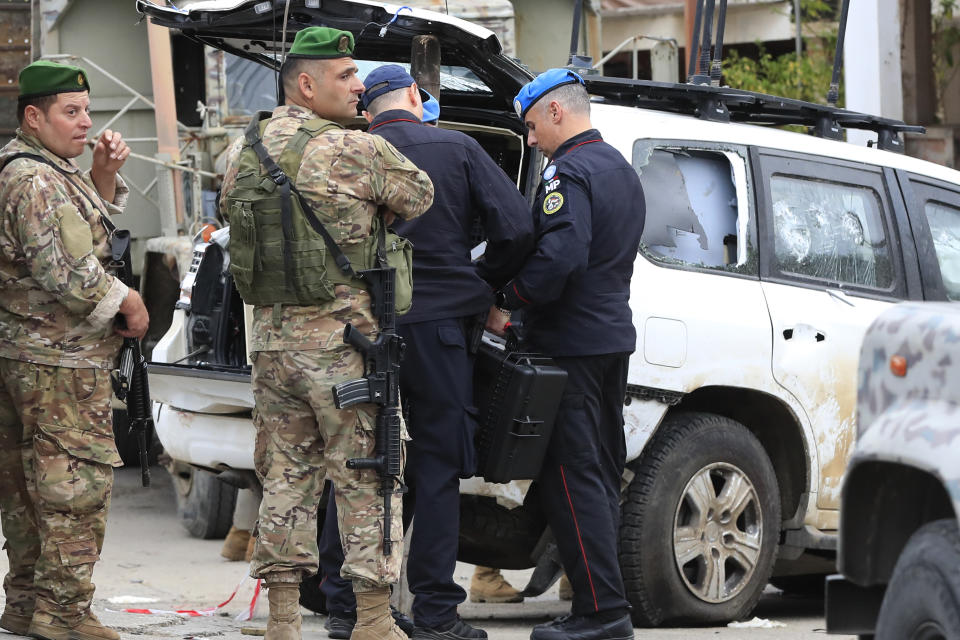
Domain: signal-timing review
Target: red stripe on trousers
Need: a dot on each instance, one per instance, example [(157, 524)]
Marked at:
[(563, 476)]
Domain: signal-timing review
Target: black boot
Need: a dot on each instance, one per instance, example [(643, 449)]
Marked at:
[(571, 627), (456, 630)]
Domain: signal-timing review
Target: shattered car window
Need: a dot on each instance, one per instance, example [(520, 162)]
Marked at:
[(696, 207), (944, 222), (830, 231)]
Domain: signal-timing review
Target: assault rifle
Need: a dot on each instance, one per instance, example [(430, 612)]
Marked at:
[(130, 381), (380, 385)]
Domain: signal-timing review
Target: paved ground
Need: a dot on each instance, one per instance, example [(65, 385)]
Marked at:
[(149, 555)]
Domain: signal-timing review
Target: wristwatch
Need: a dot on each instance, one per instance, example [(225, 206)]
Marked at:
[(500, 302)]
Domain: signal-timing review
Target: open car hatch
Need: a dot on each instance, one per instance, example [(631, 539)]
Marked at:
[(474, 72)]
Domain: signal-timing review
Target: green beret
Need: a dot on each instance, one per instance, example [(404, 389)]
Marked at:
[(46, 78), (322, 42)]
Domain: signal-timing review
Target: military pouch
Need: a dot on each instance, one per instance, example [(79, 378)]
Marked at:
[(399, 254), (243, 243), (312, 277)]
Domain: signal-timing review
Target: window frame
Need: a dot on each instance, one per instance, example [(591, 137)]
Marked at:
[(748, 198), (769, 163), (914, 186)]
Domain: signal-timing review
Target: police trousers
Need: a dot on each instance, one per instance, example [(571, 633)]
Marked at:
[(57, 455), (301, 439), (580, 479)]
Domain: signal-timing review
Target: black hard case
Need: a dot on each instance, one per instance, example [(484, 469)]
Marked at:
[(518, 395)]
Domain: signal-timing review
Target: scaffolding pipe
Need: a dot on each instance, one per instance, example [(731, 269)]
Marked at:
[(634, 40), (163, 163), (90, 63)]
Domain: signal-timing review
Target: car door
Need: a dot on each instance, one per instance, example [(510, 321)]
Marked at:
[(935, 221), (830, 262), (697, 305)]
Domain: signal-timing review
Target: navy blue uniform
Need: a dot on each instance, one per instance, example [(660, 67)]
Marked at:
[(436, 375), (467, 184), (575, 289)]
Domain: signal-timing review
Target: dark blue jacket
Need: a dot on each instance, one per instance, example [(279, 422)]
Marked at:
[(467, 184), (575, 287)]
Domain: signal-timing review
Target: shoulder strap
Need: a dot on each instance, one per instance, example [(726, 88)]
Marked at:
[(253, 139), (293, 152), (107, 222)]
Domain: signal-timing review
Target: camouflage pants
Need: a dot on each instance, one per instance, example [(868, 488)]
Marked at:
[(56, 471), (301, 437)]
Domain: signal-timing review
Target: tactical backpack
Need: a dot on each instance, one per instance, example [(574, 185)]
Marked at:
[(280, 252)]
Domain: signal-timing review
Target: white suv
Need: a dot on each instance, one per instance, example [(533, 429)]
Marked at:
[(766, 254)]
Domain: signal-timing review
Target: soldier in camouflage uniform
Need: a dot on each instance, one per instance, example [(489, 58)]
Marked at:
[(298, 352), (58, 344)]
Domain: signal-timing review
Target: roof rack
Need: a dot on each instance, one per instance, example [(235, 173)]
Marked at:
[(723, 104)]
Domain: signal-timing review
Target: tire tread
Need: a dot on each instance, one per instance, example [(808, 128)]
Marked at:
[(672, 436)]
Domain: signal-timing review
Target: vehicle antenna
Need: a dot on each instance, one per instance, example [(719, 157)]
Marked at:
[(276, 70), (575, 31), (283, 44), (446, 6), (716, 67), (833, 95), (703, 69), (695, 42)]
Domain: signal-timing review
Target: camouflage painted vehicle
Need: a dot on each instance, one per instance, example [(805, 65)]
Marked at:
[(899, 547)]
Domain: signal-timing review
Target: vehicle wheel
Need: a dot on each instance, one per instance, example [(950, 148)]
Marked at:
[(700, 523), (204, 504), (923, 598), (811, 585)]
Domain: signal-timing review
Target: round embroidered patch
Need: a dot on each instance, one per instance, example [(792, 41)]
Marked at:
[(550, 171), (552, 203)]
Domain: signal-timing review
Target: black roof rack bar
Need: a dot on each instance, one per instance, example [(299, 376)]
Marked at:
[(725, 104)]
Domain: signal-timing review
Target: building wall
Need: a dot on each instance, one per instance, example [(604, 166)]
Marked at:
[(543, 32), (106, 34), (745, 24), (16, 41), (871, 55)]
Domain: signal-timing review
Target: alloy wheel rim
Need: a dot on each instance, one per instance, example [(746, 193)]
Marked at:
[(717, 532)]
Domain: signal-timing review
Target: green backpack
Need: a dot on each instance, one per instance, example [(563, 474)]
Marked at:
[(280, 252)]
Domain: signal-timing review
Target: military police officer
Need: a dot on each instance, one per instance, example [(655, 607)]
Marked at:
[(58, 344), (575, 289), (303, 301), (437, 370)]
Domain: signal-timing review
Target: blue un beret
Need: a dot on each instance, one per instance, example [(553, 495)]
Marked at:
[(431, 109), (542, 84)]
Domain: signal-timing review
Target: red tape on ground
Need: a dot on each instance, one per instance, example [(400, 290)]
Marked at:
[(246, 614)]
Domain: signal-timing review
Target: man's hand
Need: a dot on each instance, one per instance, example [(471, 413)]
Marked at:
[(497, 321), (109, 154), (135, 314)]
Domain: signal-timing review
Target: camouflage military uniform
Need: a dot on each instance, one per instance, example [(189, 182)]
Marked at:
[(299, 356), (56, 349)]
